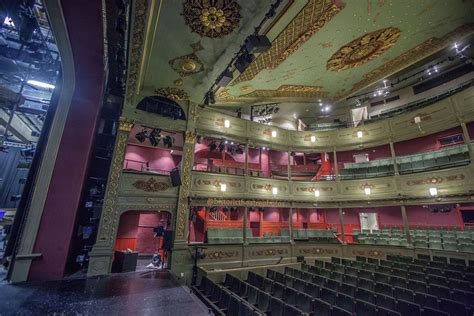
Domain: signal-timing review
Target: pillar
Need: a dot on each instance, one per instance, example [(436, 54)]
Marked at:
[(467, 141), (245, 226), (246, 159), (289, 165), (290, 224), (406, 228), (341, 222), (336, 169), (100, 257), (394, 159)]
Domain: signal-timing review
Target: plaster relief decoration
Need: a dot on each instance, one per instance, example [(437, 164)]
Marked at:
[(436, 180), (211, 18), (151, 185), (410, 57), (268, 252), (312, 189), (284, 91), (217, 255), (363, 49), (318, 251), (313, 16), (216, 183), (189, 64), (175, 94)]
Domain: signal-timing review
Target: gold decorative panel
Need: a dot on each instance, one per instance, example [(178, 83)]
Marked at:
[(175, 94), (189, 64), (151, 185), (314, 15), (363, 49), (211, 18)]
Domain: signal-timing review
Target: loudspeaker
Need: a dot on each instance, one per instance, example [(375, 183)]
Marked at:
[(167, 240), (257, 44), (175, 177), (225, 78), (243, 62)]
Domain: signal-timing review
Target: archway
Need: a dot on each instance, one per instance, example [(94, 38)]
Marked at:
[(143, 233)]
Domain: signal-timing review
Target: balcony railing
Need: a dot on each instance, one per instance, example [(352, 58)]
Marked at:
[(142, 166)]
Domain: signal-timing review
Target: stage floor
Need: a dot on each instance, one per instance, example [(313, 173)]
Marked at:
[(134, 293)]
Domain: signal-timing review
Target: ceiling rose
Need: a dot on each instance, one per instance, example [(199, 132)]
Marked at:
[(363, 49), (212, 18)]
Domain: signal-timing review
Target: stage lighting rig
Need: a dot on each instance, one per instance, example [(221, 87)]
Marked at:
[(155, 137), (142, 136), (168, 141)]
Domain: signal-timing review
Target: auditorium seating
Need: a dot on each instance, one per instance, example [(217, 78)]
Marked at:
[(452, 156), (364, 286), (226, 235), (316, 235), (269, 238)]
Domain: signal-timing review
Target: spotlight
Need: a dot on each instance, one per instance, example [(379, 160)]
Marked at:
[(221, 147), (367, 191), (275, 190), (155, 137), (317, 193), (360, 134), (212, 146), (274, 133), (313, 139), (433, 191), (226, 123), (168, 141), (223, 187), (141, 136)]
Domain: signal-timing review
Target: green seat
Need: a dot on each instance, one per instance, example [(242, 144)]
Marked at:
[(285, 232), (466, 247), (420, 244), (381, 241), (450, 246), (436, 245), (394, 242)]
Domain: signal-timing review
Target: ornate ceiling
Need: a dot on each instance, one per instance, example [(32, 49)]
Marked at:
[(325, 49)]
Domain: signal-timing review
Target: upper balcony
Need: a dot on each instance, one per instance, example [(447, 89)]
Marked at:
[(445, 113)]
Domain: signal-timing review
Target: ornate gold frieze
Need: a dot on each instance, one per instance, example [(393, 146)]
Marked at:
[(363, 49), (314, 15), (217, 255), (151, 185), (175, 94), (211, 18), (284, 91), (136, 48), (436, 180), (269, 252), (247, 203), (409, 57), (125, 124), (183, 203), (190, 137)]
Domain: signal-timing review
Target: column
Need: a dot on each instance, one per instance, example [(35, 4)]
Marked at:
[(245, 226), (289, 165), (394, 160), (406, 228), (341, 222), (100, 261), (336, 169), (467, 141), (246, 161), (290, 224)]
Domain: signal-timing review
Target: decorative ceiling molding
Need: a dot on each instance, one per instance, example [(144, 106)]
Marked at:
[(363, 49), (284, 91), (175, 94), (189, 64), (136, 48), (211, 18), (314, 15), (413, 55)]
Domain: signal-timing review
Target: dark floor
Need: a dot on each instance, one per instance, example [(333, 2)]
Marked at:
[(136, 293)]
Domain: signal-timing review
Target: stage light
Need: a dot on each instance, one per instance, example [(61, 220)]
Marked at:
[(232, 143), (274, 133), (313, 139), (433, 191), (275, 190), (141, 136), (223, 187), (221, 147), (317, 193), (226, 142), (326, 108), (360, 134), (40, 84), (155, 137), (367, 191), (8, 21), (168, 141), (212, 146), (226, 123)]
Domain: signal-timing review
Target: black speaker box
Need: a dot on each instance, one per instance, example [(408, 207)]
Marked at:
[(225, 78), (167, 240), (175, 178), (243, 62), (257, 44), (158, 231)]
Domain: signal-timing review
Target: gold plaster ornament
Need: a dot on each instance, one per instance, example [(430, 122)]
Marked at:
[(175, 94), (211, 18), (363, 49), (151, 185)]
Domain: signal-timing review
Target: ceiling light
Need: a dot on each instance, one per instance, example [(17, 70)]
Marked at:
[(317, 193), (40, 84), (275, 190), (223, 187), (367, 191), (326, 108), (433, 191), (274, 133), (360, 134), (232, 143), (313, 139), (226, 123), (417, 119), (456, 45), (319, 100), (263, 148), (226, 142)]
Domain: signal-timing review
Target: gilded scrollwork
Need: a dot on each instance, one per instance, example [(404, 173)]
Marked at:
[(183, 203), (151, 185), (211, 18), (125, 124), (363, 49), (175, 94)]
